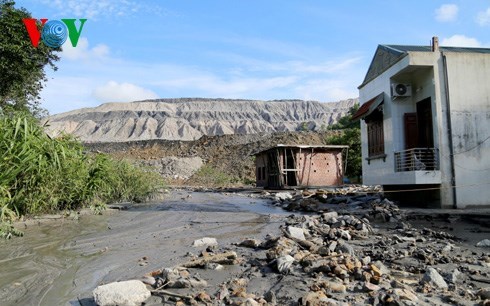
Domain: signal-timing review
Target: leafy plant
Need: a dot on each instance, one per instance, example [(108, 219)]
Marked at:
[(22, 73), (43, 174), (349, 134)]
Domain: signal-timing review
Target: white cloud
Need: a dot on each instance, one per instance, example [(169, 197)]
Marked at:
[(483, 18), (61, 94), (461, 41), (92, 9), (83, 51), (122, 92), (447, 13), (329, 89), (212, 85), (108, 79)]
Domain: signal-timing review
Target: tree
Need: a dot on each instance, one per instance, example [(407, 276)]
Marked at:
[(349, 134), (21, 65)]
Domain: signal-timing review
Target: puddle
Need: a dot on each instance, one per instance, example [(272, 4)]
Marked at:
[(212, 202), (466, 228)]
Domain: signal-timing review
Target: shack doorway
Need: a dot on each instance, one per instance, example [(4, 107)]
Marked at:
[(289, 162), (274, 179)]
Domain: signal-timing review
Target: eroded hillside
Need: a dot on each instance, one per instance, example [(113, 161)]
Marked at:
[(192, 118)]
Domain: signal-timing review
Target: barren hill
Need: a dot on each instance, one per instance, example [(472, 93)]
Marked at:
[(191, 118)]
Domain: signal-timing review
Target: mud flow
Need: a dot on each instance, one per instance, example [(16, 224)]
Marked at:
[(60, 262)]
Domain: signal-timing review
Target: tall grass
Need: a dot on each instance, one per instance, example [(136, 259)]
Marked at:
[(210, 176), (40, 174)]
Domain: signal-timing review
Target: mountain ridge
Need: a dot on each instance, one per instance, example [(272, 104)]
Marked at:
[(191, 118)]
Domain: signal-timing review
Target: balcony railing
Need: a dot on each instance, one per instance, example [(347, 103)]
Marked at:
[(417, 159)]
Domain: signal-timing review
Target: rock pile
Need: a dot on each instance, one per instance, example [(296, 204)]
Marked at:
[(354, 199), (332, 258)]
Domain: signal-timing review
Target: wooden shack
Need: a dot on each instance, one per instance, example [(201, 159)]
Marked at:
[(285, 166)]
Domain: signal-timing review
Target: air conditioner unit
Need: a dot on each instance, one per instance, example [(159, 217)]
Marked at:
[(401, 90)]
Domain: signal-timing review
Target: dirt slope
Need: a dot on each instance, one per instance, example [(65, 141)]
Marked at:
[(228, 153)]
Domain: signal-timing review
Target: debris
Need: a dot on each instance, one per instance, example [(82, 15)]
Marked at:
[(172, 294), (284, 264), (227, 258)]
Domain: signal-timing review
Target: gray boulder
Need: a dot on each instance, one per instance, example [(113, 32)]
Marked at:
[(433, 278), (296, 232), (126, 293), (485, 243)]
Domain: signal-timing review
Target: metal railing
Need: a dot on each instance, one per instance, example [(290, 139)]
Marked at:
[(417, 159)]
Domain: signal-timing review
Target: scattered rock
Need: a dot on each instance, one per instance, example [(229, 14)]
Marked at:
[(485, 243), (284, 264), (405, 294), (132, 292), (250, 302), (281, 196), (149, 280), (270, 297), (371, 287), (206, 241), (484, 293), (345, 248), (296, 232), (456, 277), (250, 243), (433, 278)]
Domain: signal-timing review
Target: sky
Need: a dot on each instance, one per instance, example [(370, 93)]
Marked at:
[(252, 49)]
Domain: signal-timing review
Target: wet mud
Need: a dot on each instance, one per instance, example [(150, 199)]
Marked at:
[(61, 262)]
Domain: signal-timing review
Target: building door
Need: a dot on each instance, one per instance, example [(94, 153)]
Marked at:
[(411, 130), (424, 123)]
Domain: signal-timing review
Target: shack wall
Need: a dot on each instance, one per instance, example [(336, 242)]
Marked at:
[(319, 168)]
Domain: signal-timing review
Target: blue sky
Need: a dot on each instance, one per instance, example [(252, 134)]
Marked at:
[(255, 49)]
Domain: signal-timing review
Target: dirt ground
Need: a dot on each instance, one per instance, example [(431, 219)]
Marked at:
[(60, 262)]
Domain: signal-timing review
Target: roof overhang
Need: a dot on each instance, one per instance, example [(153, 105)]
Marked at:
[(367, 108), (320, 147)]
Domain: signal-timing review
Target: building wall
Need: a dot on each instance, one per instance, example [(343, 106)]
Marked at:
[(379, 171), (437, 88), (469, 92), (319, 169), (421, 71), (469, 97), (316, 168)]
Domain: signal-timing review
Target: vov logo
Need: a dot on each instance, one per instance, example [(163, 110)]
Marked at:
[(54, 32)]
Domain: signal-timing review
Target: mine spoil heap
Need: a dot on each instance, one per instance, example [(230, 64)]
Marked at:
[(369, 255), (192, 118)]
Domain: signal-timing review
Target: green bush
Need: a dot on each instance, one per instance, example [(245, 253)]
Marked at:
[(41, 174), (209, 176)]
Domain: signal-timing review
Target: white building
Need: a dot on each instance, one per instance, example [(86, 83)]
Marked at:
[(426, 124)]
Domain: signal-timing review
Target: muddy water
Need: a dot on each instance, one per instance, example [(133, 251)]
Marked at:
[(60, 263)]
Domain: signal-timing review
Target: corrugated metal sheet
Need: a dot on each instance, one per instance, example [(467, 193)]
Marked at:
[(368, 107)]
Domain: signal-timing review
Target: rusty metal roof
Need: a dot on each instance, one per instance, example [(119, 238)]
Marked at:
[(368, 107)]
